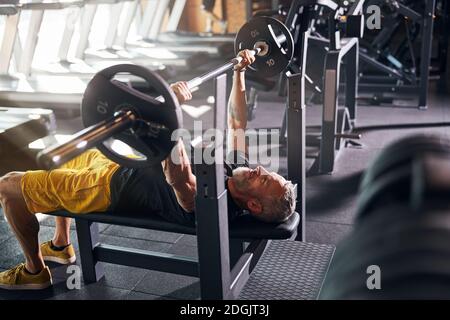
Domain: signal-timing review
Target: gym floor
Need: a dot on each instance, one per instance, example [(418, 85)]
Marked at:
[(327, 221)]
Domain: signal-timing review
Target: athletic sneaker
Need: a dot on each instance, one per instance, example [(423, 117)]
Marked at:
[(64, 256), (18, 278)]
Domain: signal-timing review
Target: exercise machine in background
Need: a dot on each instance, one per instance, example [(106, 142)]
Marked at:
[(396, 60), (323, 75), (18, 88)]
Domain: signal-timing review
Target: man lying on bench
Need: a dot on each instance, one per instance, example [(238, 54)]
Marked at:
[(93, 183)]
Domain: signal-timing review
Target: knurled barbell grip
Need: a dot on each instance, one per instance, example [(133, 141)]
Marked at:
[(88, 138)]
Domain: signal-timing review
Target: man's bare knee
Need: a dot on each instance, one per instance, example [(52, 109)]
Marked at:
[(10, 186), (12, 201)]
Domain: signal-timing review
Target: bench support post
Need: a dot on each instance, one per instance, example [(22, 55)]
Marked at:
[(237, 249), (211, 210), (87, 232)]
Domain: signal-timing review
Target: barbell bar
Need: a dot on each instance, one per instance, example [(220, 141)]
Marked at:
[(85, 139), (112, 109), (197, 81)]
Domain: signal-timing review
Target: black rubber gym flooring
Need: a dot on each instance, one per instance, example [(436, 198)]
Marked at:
[(330, 206)]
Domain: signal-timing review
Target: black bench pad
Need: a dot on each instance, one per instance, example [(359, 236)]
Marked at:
[(244, 227)]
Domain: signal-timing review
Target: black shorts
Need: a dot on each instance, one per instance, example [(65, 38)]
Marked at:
[(144, 191)]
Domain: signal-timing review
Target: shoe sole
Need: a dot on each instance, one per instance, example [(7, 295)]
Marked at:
[(60, 260), (30, 286)]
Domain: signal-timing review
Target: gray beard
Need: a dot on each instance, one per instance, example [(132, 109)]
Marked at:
[(240, 180)]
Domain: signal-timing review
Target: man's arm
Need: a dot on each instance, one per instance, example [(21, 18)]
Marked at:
[(177, 169), (237, 106), (177, 166)]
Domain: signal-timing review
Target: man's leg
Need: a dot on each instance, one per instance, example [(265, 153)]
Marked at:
[(23, 223), (62, 232), (59, 249)]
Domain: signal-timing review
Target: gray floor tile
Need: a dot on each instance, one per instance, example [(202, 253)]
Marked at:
[(337, 187), (370, 115), (136, 243), (184, 250), (117, 276), (374, 140), (188, 240), (122, 277), (5, 231), (63, 272), (351, 161), (59, 287), (134, 295), (381, 138), (10, 253), (94, 291), (9, 294), (334, 210), (135, 233), (326, 233), (170, 285)]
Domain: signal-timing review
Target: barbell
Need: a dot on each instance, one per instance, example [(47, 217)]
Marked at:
[(112, 110)]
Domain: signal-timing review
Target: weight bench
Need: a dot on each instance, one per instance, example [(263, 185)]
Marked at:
[(243, 229), (301, 273), (225, 262)]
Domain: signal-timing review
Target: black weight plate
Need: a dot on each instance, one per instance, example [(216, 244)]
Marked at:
[(278, 38), (402, 248), (401, 153), (150, 139), (391, 176), (384, 191)]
